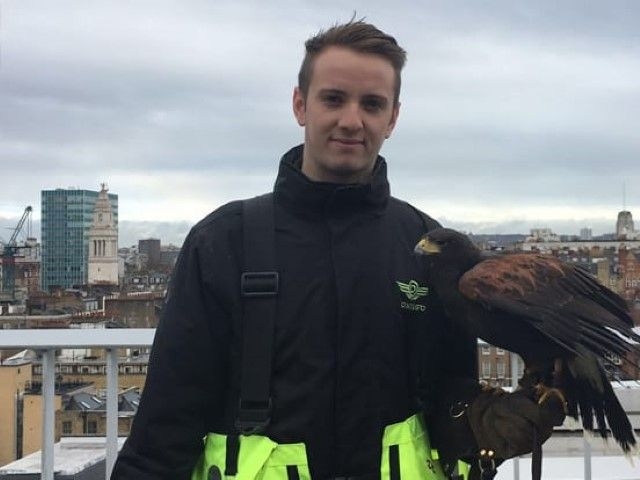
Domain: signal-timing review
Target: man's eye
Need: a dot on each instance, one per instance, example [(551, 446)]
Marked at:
[(332, 100), (373, 105)]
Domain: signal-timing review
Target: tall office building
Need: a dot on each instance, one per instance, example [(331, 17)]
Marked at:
[(151, 248), (67, 217), (586, 233)]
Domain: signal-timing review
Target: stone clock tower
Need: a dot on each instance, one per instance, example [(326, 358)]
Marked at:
[(103, 243)]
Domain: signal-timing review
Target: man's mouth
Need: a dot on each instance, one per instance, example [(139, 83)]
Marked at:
[(348, 141)]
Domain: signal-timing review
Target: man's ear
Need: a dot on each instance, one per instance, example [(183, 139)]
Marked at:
[(299, 106), (394, 119)]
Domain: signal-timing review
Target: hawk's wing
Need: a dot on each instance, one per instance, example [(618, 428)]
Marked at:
[(561, 301)]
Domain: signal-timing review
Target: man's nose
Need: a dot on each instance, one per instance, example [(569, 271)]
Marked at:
[(351, 117)]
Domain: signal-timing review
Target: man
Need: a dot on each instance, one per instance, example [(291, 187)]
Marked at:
[(360, 346)]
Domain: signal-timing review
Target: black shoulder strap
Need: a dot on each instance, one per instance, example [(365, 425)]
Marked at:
[(258, 290)]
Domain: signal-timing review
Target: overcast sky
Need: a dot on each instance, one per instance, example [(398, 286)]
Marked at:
[(514, 114)]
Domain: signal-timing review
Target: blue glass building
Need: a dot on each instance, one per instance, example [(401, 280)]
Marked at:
[(67, 215)]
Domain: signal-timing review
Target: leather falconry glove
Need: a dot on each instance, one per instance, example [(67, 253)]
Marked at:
[(485, 428), (507, 425)]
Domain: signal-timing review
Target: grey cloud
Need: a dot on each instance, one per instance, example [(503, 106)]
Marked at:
[(519, 103)]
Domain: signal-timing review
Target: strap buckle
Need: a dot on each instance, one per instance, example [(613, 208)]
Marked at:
[(457, 409), (253, 416), (259, 284)]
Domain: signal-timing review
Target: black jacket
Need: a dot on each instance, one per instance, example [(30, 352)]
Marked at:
[(352, 352)]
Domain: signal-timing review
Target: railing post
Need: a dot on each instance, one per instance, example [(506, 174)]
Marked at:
[(516, 468), (514, 384), (48, 413), (112, 410), (587, 459)]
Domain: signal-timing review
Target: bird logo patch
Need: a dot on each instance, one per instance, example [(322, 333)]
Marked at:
[(412, 290)]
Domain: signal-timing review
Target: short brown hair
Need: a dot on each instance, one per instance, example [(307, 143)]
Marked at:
[(359, 36)]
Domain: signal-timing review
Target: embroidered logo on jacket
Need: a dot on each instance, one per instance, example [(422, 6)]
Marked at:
[(413, 291)]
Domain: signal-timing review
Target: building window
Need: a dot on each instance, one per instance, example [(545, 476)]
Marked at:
[(486, 349), (500, 369), (486, 369), (67, 429), (92, 426), (499, 351)]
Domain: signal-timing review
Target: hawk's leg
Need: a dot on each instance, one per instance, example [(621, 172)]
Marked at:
[(544, 393)]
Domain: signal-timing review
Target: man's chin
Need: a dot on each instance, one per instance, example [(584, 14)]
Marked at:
[(350, 170)]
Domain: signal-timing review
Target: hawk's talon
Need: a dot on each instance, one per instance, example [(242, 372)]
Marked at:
[(543, 393)]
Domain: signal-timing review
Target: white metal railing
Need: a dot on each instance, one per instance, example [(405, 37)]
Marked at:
[(515, 370), (46, 342)]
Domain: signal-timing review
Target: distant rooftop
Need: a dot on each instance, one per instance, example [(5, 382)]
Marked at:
[(71, 456), (572, 468), (61, 388), (21, 358)]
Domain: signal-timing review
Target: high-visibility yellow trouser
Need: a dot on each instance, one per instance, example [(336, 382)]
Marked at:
[(406, 454)]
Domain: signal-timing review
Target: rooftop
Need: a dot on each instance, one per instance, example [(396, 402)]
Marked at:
[(72, 455), (572, 468)]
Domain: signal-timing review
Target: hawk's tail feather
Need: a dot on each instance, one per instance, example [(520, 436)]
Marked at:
[(591, 396), (617, 419)]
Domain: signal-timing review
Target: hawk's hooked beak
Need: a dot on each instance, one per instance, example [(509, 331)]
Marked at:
[(426, 247)]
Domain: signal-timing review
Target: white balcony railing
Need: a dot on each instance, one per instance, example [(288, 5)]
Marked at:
[(46, 342)]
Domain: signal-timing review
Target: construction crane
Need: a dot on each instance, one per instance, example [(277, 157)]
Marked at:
[(9, 256)]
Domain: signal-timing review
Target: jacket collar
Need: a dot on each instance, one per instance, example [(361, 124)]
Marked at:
[(298, 192)]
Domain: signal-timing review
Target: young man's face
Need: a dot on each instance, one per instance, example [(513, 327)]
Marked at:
[(347, 114)]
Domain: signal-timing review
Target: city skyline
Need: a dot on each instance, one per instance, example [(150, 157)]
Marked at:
[(514, 115), (173, 233), (71, 220)]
